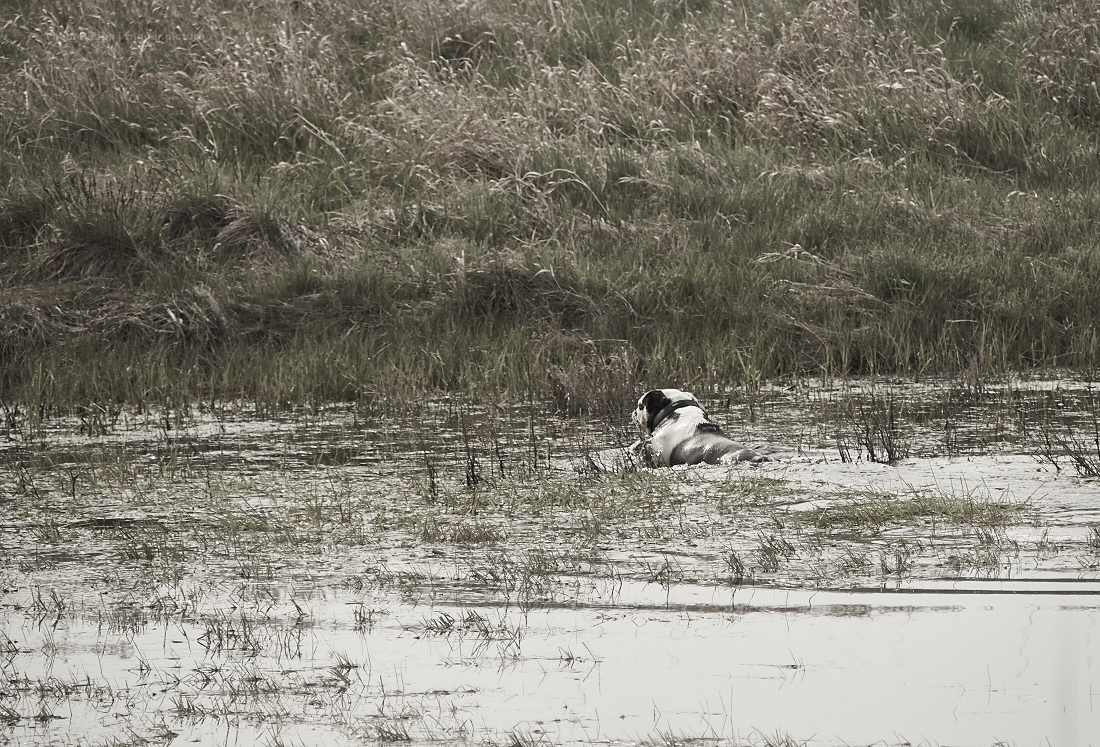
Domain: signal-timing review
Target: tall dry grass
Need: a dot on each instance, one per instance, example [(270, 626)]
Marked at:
[(577, 200)]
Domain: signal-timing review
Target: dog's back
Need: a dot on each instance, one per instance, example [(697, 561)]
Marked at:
[(681, 433), (710, 446)]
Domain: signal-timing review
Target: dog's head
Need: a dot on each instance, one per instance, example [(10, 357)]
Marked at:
[(658, 405)]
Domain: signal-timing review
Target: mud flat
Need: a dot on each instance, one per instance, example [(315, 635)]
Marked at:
[(470, 575)]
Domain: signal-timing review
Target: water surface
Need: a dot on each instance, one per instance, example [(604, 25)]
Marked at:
[(462, 573)]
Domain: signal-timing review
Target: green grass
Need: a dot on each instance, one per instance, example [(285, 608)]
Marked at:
[(377, 201)]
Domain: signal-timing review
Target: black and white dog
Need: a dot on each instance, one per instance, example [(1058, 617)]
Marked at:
[(677, 431)]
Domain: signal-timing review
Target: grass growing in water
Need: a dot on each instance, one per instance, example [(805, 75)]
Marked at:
[(570, 200), (1082, 450), (874, 511)]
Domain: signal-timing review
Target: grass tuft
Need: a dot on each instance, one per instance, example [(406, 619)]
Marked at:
[(200, 216), (877, 511)]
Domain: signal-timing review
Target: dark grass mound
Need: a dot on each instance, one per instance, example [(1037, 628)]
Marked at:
[(200, 216), (96, 251), (21, 216), (507, 289)]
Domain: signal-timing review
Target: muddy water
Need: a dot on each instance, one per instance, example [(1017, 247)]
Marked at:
[(464, 574)]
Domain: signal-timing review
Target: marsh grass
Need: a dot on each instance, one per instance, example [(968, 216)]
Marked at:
[(897, 560), (507, 636), (519, 738), (487, 540), (779, 739), (570, 201), (735, 565), (393, 731), (1094, 538), (1072, 442), (879, 510), (872, 425), (772, 550)]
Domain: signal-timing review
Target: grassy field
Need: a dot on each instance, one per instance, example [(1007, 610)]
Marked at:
[(571, 199)]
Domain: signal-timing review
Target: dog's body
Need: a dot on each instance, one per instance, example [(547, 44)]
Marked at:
[(679, 431)]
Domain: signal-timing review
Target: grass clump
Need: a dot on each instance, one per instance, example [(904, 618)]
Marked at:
[(1074, 443), (573, 201), (876, 511)]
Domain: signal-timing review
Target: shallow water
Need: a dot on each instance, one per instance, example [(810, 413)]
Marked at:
[(948, 668), (466, 576)]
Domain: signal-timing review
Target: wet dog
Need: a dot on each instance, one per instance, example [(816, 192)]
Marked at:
[(677, 431)]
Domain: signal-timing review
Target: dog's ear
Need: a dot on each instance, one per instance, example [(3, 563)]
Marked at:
[(654, 401)]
